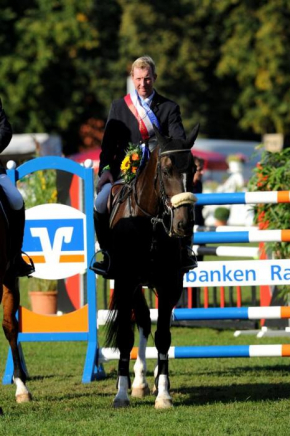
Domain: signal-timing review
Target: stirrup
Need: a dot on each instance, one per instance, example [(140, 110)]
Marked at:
[(23, 268), (102, 267)]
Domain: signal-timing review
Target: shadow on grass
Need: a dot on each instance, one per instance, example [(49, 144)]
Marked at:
[(244, 371), (241, 393)]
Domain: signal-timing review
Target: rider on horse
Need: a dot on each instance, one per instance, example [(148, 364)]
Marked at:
[(131, 120), (16, 205)]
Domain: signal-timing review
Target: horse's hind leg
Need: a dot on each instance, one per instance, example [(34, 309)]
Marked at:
[(140, 386), (10, 327)]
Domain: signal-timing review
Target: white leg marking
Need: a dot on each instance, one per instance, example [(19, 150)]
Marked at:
[(163, 400), (122, 399), (140, 386), (22, 393)]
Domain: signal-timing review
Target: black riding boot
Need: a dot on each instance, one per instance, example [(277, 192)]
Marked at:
[(101, 221), (17, 222), (188, 258)]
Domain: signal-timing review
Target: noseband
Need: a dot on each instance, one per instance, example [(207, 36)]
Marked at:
[(170, 204)]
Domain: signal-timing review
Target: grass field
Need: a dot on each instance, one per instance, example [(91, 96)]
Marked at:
[(211, 396)]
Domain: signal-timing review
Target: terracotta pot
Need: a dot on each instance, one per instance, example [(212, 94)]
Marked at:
[(44, 303), (220, 223)]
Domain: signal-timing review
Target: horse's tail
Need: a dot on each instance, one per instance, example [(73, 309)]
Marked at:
[(125, 311), (120, 320), (113, 321)]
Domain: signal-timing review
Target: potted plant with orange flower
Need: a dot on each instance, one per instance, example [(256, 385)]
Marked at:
[(40, 188)]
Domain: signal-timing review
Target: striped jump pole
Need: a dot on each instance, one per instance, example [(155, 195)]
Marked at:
[(226, 250), (242, 237), (216, 313), (189, 352), (265, 197), (223, 228)]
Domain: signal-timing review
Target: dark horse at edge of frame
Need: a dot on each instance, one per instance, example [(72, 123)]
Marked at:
[(9, 295), (146, 232)]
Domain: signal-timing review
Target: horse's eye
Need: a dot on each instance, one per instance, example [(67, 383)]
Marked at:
[(166, 172)]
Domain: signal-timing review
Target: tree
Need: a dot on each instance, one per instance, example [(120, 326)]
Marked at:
[(255, 54), (51, 65)]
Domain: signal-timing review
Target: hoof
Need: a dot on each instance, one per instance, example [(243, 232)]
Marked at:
[(23, 398), (161, 403), (155, 391), (118, 404), (1, 411), (140, 392)]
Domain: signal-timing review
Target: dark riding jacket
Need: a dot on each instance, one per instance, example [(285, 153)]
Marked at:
[(5, 133), (122, 129)]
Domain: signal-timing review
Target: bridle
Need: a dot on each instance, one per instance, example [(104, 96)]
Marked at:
[(168, 205)]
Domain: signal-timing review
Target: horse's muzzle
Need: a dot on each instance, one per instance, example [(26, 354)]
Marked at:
[(183, 214), (183, 221)]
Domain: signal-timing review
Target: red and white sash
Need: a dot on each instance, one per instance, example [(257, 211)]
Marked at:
[(145, 121)]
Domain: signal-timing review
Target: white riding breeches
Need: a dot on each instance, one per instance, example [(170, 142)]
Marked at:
[(13, 195), (101, 199)]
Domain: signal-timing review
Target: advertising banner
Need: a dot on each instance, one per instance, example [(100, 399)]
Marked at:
[(55, 240), (239, 273)]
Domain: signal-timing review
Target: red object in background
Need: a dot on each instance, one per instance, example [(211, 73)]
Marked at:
[(73, 286), (212, 160), (93, 154)]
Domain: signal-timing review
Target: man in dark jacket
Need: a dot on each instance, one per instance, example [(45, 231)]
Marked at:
[(16, 203), (131, 120)]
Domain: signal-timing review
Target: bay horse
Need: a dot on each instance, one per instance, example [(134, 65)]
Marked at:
[(154, 213), (9, 295)]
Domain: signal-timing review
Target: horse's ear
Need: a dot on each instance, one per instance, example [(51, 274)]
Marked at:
[(190, 140), (160, 139)]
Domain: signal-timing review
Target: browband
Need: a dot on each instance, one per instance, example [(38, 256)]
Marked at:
[(174, 151)]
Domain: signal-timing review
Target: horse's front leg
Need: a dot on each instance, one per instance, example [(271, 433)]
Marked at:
[(10, 327), (123, 382), (140, 388), (122, 327), (161, 373)]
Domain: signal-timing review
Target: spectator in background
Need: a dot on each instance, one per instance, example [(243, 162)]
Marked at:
[(197, 189)]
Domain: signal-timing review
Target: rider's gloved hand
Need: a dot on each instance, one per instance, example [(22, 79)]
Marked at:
[(106, 177)]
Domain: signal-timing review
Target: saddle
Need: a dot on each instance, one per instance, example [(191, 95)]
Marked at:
[(119, 193)]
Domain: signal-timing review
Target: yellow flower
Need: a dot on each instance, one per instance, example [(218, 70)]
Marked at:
[(125, 164)]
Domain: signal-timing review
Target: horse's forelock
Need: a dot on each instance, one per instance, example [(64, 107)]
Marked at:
[(182, 161)]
